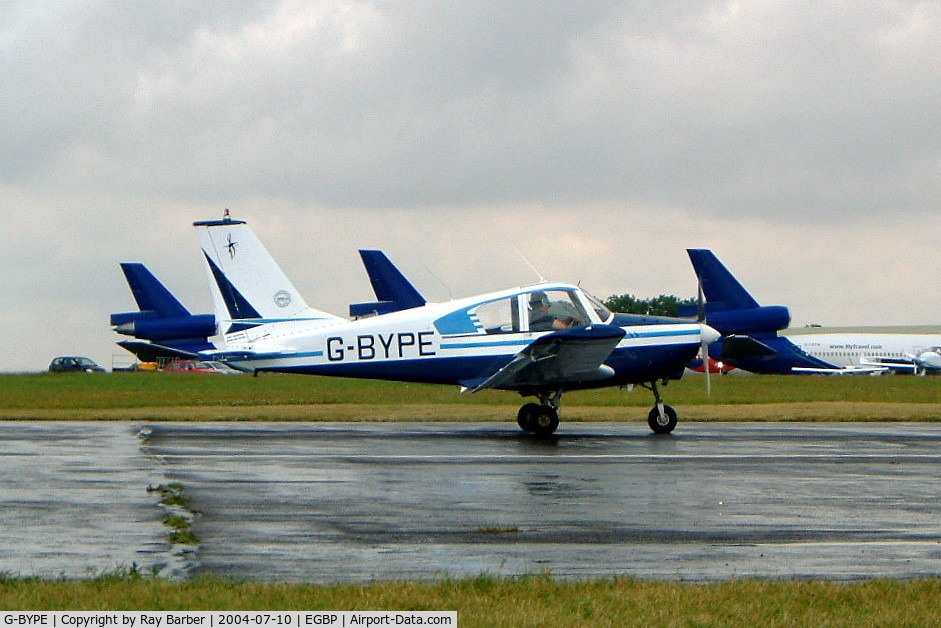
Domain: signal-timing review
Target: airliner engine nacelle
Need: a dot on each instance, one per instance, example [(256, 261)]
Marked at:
[(768, 318), (929, 359), (144, 326)]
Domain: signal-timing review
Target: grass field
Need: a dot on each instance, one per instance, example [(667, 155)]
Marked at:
[(485, 601), (166, 396), (532, 601)]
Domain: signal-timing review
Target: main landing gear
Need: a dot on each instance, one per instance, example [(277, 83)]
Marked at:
[(542, 418)]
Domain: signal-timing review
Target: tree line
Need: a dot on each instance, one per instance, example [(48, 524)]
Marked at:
[(663, 305)]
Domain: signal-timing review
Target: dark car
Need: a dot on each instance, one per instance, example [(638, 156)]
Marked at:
[(73, 364)]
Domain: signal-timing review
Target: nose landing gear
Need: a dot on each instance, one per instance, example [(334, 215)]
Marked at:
[(662, 418)]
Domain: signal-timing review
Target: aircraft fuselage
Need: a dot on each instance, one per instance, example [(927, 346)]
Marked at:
[(458, 341)]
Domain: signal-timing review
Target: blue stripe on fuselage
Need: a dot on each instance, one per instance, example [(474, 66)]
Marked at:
[(492, 343), (632, 365), (629, 333)]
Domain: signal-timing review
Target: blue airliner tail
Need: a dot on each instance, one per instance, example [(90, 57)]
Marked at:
[(729, 308), (152, 297), (393, 291), (749, 330), (720, 288), (163, 328)]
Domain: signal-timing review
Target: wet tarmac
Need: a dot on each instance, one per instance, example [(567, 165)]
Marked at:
[(357, 502)]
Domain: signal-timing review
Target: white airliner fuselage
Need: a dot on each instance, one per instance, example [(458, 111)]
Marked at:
[(918, 353)]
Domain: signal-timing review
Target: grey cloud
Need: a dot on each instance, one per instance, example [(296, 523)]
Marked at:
[(647, 124), (712, 108)]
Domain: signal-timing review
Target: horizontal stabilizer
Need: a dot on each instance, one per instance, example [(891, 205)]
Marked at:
[(152, 352), (744, 347), (239, 354)]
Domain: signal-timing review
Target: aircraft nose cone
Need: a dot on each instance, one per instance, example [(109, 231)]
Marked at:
[(708, 334)]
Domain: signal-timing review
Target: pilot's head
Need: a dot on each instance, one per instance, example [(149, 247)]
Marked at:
[(538, 300)]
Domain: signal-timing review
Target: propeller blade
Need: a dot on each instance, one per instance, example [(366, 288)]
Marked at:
[(703, 347), (705, 360), (700, 303)]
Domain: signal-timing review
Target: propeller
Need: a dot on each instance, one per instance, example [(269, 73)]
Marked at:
[(703, 346)]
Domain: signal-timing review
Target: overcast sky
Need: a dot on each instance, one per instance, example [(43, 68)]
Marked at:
[(801, 141)]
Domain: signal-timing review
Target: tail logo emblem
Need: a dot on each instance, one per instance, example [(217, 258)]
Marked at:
[(282, 298), (230, 245)]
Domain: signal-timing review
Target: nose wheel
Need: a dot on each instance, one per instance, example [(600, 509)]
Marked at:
[(662, 419)]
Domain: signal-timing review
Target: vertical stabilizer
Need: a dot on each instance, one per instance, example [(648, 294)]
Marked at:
[(719, 286), (149, 293), (163, 328), (247, 284), (393, 291)]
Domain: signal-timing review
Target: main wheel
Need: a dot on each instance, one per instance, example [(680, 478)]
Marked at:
[(662, 424), (543, 421), (525, 415)]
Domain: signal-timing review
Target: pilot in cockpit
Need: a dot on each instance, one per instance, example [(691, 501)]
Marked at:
[(539, 317), (545, 315)]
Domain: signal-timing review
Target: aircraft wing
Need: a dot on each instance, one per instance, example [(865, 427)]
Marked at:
[(893, 364), (848, 370), (556, 359)]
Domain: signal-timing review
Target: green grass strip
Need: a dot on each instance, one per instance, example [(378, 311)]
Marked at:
[(272, 397), (530, 601)]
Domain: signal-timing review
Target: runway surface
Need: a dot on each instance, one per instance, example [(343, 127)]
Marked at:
[(357, 502)]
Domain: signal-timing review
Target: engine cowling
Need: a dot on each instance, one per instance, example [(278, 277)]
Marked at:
[(768, 318)]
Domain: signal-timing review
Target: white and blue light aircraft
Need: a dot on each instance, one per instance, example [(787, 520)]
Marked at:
[(540, 340)]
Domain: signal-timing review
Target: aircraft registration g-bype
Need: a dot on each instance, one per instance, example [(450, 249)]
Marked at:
[(539, 340)]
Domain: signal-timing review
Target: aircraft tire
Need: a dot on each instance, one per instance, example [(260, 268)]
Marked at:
[(524, 417), (543, 421), (656, 423)]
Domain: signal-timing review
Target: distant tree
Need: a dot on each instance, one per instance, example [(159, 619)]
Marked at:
[(664, 305)]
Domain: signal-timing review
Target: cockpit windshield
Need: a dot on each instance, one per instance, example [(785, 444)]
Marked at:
[(600, 309), (555, 309)]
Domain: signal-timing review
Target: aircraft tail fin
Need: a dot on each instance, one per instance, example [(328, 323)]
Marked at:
[(719, 286), (246, 283), (163, 328), (149, 293), (393, 291), (729, 308)]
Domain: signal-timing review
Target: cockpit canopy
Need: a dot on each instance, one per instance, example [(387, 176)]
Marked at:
[(531, 310)]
